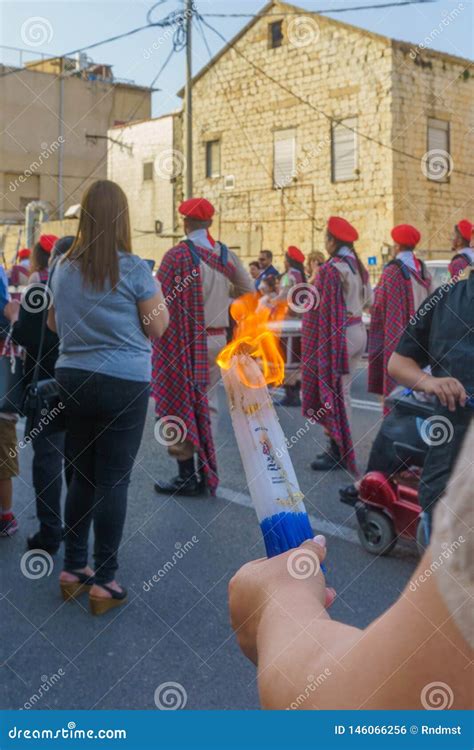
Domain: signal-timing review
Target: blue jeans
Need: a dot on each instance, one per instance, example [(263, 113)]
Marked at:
[(48, 462), (105, 417)]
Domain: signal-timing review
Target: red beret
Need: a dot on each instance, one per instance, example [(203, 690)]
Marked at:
[(342, 230), (295, 254), (46, 241), (197, 208), (406, 235), (464, 228), (25, 252)]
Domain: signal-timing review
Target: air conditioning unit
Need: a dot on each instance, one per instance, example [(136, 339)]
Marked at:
[(229, 182)]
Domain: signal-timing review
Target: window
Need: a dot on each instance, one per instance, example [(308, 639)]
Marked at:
[(438, 161), (147, 171), (284, 157), (275, 34), (213, 159), (344, 156)]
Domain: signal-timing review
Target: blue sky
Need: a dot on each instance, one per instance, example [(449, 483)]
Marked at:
[(65, 25)]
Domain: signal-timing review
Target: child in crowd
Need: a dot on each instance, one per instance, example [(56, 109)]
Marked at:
[(8, 470), (269, 289)]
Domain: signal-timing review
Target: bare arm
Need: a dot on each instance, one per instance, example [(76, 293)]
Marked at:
[(308, 661), (407, 371), (154, 316)]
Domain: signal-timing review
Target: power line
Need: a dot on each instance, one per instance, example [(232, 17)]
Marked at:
[(242, 127), (131, 116), (330, 118), (299, 12)]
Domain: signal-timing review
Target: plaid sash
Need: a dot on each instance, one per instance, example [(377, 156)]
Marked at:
[(393, 307), (325, 360), (180, 367)]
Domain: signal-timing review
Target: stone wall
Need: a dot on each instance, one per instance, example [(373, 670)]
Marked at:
[(157, 141), (342, 72), (428, 85)]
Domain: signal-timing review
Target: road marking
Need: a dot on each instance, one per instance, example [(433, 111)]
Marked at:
[(360, 403), (321, 525)]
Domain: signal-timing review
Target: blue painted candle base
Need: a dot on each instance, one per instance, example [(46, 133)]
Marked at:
[(284, 531)]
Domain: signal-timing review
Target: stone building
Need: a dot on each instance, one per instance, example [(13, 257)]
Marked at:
[(146, 159), (301, 116), (54, 117)]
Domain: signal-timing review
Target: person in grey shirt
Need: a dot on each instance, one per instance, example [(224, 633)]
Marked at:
[(106, 305)]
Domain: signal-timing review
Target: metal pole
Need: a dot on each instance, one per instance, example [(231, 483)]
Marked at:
[(61, 143), (189, 102)]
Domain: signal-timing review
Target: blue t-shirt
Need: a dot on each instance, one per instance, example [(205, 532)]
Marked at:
[(100, 331)]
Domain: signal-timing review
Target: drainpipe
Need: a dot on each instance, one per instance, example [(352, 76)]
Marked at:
[(35, 213)]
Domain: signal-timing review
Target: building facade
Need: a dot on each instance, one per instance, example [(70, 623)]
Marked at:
[(53, 131), (146, 159), (301, 116)]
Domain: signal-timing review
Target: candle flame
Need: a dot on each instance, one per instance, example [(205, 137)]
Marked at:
[(253, 338)]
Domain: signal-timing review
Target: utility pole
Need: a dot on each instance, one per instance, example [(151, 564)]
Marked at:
[(61, 141), (189, 101)]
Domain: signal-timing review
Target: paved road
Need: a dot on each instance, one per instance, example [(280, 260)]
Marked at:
[(177, 630)]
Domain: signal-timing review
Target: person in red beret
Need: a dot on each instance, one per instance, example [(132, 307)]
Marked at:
[(20, 271), (196, 277), (402, 288), (461, 246), (333, 341), (40, 258)]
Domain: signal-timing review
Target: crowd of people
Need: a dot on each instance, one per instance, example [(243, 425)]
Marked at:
[(109, 334)]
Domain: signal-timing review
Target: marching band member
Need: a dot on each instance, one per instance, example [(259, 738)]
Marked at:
[(403, 286), (196, 276), (333, 341), (21, 269), (464, 254)]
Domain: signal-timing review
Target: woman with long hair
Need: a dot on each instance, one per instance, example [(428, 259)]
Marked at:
[(106, 306), (333, 341)]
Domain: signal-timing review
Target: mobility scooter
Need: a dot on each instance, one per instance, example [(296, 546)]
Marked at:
[(386, 501)]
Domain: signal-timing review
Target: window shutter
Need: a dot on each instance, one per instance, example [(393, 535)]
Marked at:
[(438, 159), (344, 151), (213, 159), (284, 158)]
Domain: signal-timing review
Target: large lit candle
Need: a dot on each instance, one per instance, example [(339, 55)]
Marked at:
[(270, 475)]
